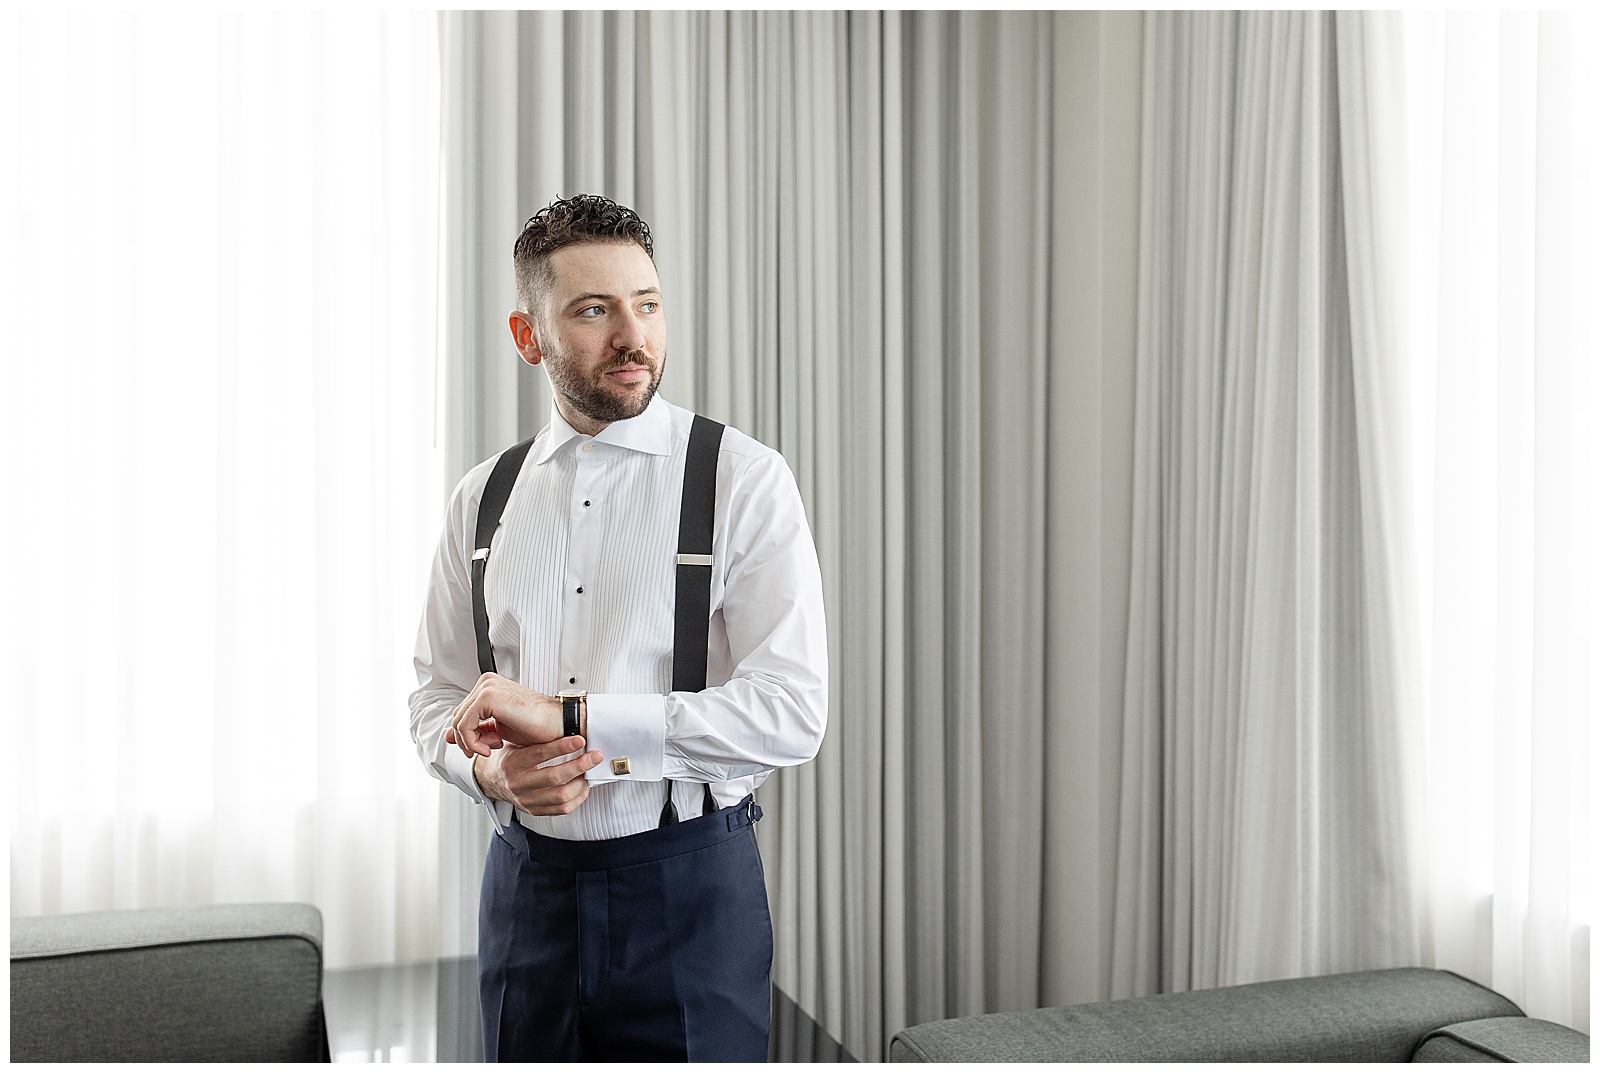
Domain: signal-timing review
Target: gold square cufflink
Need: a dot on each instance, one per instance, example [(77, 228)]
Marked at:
[(620, 766)]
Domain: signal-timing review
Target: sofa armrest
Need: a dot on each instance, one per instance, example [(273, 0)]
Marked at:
[(207, 983), (1504, 1039), (1375, 1016)]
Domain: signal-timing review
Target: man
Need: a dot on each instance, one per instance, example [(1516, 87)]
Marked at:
[(623, 914)]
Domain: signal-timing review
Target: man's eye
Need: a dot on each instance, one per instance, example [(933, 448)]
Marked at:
[(586, 310), (649, 307)]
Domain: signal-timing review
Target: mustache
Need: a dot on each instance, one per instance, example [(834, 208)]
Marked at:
[(630, 357)]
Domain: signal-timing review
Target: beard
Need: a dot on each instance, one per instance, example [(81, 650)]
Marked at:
[(596, 398)]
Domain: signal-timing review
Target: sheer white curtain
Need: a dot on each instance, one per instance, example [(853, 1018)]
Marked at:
[(221, 482), (1503, 235)]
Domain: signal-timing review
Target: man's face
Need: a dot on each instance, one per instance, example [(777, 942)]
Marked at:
[(601, 333)]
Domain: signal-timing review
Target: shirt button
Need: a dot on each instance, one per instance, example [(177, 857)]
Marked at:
[(588, 447), (572, 681), (586, 502), (580, 588)]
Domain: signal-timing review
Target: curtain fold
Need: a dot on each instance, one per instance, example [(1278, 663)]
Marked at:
[(894, 246), (1264, 822)]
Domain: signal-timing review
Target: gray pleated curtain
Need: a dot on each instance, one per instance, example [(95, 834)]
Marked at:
[(1267, 829), (905, 249)]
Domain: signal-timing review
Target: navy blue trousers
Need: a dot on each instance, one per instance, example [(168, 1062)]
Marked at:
[(654, 947)]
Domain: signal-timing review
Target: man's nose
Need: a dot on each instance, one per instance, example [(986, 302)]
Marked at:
[(629, 334)]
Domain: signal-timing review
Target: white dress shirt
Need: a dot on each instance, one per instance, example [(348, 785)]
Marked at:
[(580, 587)]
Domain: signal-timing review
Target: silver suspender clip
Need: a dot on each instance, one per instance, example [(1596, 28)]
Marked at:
[(695, 560), (481, 553)]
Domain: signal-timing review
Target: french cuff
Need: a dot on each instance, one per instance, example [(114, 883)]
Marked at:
[(630, 730), (460, 767)]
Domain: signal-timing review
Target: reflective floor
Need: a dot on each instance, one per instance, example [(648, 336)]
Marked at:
[(428, 1012)]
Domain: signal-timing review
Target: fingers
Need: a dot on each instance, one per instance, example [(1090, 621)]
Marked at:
[(473, 726), (561, 801), (523, 762), (554, 790), (487, 732), (576, 767), (471, 734), (517, 715), (464, 722), (531, 756)]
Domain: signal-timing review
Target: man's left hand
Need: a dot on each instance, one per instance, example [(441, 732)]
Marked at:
[(500, 712)]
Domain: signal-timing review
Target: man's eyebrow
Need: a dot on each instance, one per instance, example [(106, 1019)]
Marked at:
[(642, 291)]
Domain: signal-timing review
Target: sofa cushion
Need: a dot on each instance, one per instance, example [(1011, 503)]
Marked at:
[(208, 983), (1504, 1039), (1375, 1016)]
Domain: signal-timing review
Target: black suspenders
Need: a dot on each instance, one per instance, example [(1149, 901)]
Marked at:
[(691, 640), (692, 614), (492, 504)]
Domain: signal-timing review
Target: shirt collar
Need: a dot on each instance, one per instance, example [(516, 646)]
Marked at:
[(650, 432)]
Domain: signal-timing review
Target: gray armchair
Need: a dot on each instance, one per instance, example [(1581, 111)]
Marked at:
[(205, 984)]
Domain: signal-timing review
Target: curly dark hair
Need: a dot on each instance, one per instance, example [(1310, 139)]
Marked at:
[(567, 222)]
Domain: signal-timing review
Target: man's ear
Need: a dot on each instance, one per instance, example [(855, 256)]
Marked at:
[(525, 336)]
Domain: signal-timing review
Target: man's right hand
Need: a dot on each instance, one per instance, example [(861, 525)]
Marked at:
[(512, 773)]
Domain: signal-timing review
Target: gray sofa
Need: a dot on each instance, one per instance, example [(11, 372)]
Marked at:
[(213, 983), (1391, 1015)]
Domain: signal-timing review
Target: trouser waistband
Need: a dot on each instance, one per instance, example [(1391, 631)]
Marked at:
[(653, 845)]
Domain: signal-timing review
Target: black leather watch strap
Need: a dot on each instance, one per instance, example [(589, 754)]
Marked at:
[(570, 712)]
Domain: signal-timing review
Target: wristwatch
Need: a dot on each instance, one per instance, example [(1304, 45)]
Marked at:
[(571, 709)]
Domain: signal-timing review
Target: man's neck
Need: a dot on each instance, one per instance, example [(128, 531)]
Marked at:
[(586, 426)]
